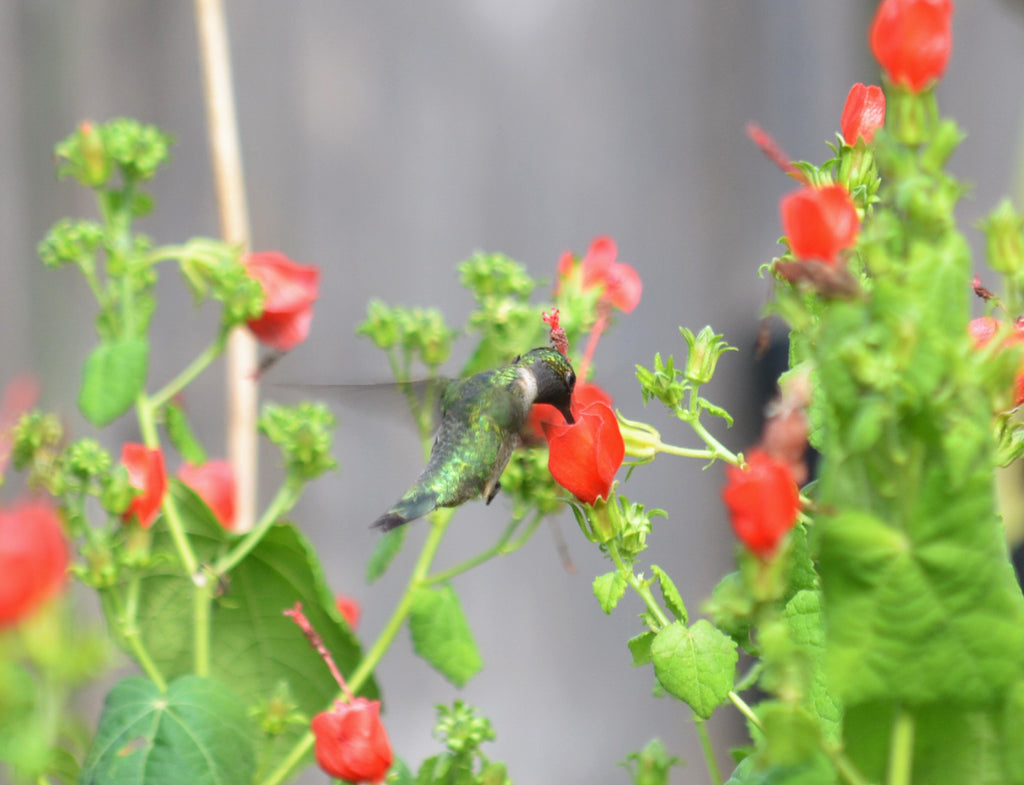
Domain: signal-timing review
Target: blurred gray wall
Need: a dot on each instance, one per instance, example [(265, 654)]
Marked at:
[(385, 141)]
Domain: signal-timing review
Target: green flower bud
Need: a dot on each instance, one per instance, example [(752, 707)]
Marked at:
[(381, 325), (137, 149), (304, 434), (35, 433), (117, 491), (1004, 239), (642, 441), (71, 242), (86, 458), (704, 350), (650, 766)]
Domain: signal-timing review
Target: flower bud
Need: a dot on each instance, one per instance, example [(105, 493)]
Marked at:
[(704, 349), (1004, 239), (912, 39), (863, 113), (641, 440)]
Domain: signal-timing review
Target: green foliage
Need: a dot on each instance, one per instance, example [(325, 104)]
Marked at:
[(463, 762), (441, 634), (385, 550), (609, 589), (304, 435), (194, 732), (695, 664), (650, 766), (180, 434), (113, 377)]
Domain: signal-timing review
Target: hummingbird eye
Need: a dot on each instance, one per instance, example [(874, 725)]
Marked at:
[(571, 380)]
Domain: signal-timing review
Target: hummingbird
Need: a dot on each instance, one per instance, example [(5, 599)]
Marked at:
[(481, 417)]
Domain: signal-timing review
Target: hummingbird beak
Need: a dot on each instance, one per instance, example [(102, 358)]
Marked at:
[(567, 414)]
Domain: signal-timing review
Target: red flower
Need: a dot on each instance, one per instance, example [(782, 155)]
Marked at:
[(33, 558), (911, 39), (349, 609), (983, 329), (583, 395), (290, 289), (819, 222), (763, 502), (583, 457), (146, 473), (351, 743), (621, 283), (863, 114), (214, 481)]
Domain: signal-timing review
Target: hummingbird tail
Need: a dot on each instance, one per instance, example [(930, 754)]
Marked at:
[(409, 508)]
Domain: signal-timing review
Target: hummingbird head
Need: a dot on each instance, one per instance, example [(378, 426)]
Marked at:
[(554, 377)]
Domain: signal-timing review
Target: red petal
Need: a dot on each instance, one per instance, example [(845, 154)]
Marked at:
[(912, 39), (145, 472), (583, 457), (819, 222), (863, 113), (33, 559), (215, 483)]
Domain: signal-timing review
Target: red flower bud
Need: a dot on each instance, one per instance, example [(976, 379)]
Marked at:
[(214, 481), (290, 290), (351, 743), (763, 502), (863, 113), (583, 457), (911, 39), (33, 558), (349, 609), (819, 222), (146, 473)]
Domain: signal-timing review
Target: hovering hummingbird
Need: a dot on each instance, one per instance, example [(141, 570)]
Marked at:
[(481, 417)]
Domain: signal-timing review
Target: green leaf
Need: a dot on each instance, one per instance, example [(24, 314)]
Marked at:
[(197, 732), (441, 635), (387, 548), (113, 376), (608, 589), (253, 646), (806, 629), (670, 594), (180, 433), (695, 664), (640, 647)]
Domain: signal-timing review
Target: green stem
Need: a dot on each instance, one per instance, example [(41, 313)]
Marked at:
[(685, 452), (718, 450), (130, 633), (418, 579), (745, 710), (709, 750), (285, 499), (501, 548), (901, 749), (196, 367), (640, 587)]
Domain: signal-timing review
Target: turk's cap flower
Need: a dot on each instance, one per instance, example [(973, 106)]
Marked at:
[(912, 39), (863, 113), (982, 330), (584, 457), (147, 475), (290, 290), (583, 394), (33, 559), (819, 222), (763, 502), (351, 743), (214, 482), (349, 609), (619, 282)]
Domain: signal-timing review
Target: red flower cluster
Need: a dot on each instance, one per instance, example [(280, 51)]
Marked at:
[(863, 113), (983, 329), (819, 222), (33, 559), (584, 457), (912, 39), (763, 502), (290, 290), (621, 283), (145, 473), (214, 482), (351, 743)]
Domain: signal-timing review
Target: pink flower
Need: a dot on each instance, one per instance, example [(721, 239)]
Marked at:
[(290, 289), (214, 482)]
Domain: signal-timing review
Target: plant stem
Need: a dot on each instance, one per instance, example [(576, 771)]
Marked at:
[(130, 633), (709, 750), (285, 499), (418, 579), (640, 587), (901, 749), (197, 366), (745, 709), (501, 548)]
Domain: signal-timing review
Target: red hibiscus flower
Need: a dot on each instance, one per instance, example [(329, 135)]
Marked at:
[(33, 559), (583, 395), (911, 39), (819, 222), (863, 113), (351, 743), (146, 473), (290, 290), (583, 457), (763, 502), (214, 481)]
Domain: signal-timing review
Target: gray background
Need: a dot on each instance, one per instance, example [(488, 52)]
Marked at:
[(385, 142)]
